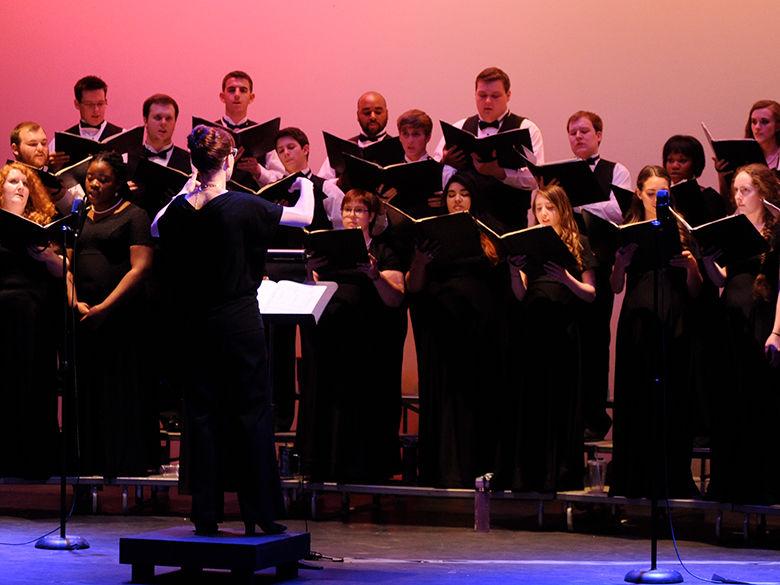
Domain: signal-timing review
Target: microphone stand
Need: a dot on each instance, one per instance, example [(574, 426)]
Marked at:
[(654, 574), (63, 541)]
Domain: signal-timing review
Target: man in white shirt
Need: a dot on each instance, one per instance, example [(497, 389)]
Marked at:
[(91, 100), (238, 94), (506, 190)]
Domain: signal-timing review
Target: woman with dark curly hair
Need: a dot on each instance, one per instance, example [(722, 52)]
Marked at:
[(117, 428), (31, 301)]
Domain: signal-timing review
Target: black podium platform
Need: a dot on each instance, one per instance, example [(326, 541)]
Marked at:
[(241, 555)]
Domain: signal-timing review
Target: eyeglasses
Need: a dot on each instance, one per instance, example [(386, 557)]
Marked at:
[(102, 104), (354, 210), (234, 152)]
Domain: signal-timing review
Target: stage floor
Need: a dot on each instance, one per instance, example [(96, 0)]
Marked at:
[(395, 554)]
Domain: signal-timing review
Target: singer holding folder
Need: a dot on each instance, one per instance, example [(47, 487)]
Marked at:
[(745, 410), (636, 465), (30, 313), (213, 243)]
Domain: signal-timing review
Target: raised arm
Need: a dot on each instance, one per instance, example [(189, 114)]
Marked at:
[(302, 213)]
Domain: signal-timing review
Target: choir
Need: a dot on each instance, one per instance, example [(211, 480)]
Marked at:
[(512, 345)]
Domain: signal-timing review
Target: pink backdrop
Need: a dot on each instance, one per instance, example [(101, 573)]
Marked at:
[(650, 69)]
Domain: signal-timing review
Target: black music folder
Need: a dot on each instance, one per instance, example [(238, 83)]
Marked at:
[(423, 177), (384, 152), (19, 231), (734, 236), (78, 148), (256, 140), (276, 192), (342, 249), (506, 145), (737, 151), (574, 176)]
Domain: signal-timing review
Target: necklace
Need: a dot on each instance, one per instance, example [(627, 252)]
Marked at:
[(110, 209)]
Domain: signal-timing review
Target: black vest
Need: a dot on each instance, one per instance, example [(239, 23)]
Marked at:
[(108, 131), (180, 160), (502, 206), (604, 171)]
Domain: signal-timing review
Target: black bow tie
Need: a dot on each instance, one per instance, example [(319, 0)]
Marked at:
[(494, 124), (146, 153), (230, 126), (367, 138), (592, 160), (84, 124)]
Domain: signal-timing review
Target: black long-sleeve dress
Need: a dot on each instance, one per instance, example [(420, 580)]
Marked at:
[(745, 410), (214, 261), (647, 451), (542, 444), (118, 431), (348, 422), (30, 324), (459, 320)]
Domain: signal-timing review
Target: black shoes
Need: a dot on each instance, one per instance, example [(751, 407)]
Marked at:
[(266, 527), (206, 529)]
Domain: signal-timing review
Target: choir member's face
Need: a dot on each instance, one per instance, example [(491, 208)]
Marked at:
[(746, 196), (294, 157), (764, 125), (92, 107), (101, 185), (15, 192), (32, 148), (647, 193), (546, 212), (161, 123), (679, 167), (492, 99), (414, 141), (372, 113), (458, 198), (236, 96), (355, 214), (583, 138)]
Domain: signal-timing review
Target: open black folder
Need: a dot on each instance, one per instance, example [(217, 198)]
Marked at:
[(276, 192), (65, 178), (422, 177), (385, 152), (78, 148), (506, 145), (734, 236), (19, 231), (455, 235), (574, 176), (256, 140), (657, 242), (342, 249), (539, 244), (737, 151)]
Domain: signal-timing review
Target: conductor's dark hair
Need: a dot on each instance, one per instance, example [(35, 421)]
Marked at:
[(760, 105), (636, 212), (209, 146), (114, 160), (595, 119), (237, 74), (162, 100), (687, 146), (295, 133), (493, 74), (88, 83)]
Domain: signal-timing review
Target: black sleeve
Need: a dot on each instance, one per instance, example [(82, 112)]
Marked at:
[(140, 227), (589, 260)]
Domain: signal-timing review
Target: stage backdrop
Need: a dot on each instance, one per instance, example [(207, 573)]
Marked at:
[(650, 69)]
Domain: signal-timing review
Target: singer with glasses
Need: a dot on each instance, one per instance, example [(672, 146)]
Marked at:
[(31, 304), (646, 336), (117, 426)]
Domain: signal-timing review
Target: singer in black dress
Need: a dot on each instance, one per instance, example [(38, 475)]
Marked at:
[(31, 310), (458, 317), (118, 431), (648, 453), (542, 426), (213, 244), (746, 406)]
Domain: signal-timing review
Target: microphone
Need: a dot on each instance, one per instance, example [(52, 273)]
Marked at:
[(662, 200), (78, 210)]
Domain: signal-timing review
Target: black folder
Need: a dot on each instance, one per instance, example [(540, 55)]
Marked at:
[(276, 192), (342, 249), (507, 145), (256, 140), (574, 176), (19, 231), (422, 177), (384, 152), (78, 148), (734, 236), (737, 151), (65, 178)]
